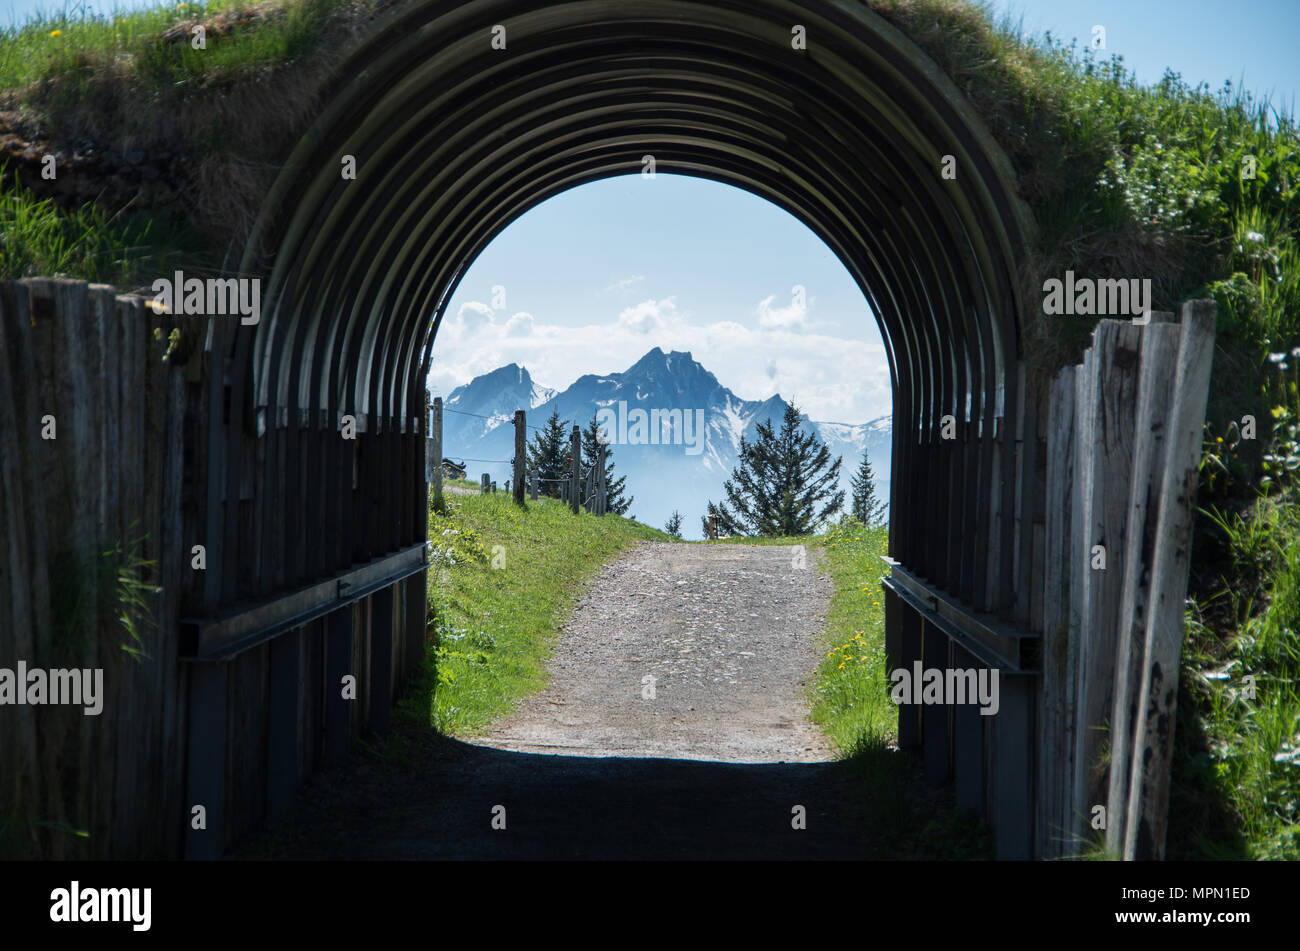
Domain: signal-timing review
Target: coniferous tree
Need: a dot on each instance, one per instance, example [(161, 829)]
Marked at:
[(614, 488), (785, 483), (866, 508), (548, 454), (674, 526)]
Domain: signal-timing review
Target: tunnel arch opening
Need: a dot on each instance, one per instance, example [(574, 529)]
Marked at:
[(455, 138)]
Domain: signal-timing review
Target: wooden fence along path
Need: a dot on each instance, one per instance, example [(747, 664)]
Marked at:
[(1123, 443), (591, 493), (209, 718)]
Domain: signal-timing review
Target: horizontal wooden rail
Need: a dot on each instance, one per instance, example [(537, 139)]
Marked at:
[(232, 632)]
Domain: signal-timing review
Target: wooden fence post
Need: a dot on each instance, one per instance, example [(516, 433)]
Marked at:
[(575, 469), (602, 485), (533, 485), (521, 452), (484, 484), (433, 465)]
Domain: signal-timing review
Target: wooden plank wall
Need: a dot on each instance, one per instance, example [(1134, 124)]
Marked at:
[(154, 454), (89, 786), (1123, 443), (1092, 462)]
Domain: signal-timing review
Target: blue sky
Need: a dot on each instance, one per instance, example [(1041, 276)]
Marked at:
[(595, 277)]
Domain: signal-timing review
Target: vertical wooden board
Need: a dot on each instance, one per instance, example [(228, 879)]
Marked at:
[(970, 513), (311, 716), (206, 760), (331, 492), (1077, 562), (24, 597), (893, 630), (1159, 353), (1006, 594), (909, 715), (1012, 727), (1111, 449), (1028, 510), (417, 604), (380, 689), (925, 553), (230, 553), (956, 511), (283, 727), (338, 654), (992, 553), (968, 751), (359, 709), (1056, 751), (214, 478), (247, 748), (173, 570), (396, 500), (1148, 806), (984, 528), (936, 735)]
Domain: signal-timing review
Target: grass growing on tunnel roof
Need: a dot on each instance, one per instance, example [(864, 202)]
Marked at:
[(501, 582), (37, 238), (155, 45)]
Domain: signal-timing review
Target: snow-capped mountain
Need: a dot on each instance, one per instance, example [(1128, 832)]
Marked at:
[(674, 430), (494, 395)]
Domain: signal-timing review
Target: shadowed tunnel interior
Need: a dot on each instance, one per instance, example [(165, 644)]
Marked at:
[(454, 138)]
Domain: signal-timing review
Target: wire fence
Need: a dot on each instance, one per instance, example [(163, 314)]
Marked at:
[(505, 419)]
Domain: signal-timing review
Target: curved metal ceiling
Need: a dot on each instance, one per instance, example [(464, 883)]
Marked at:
[(454, 139)]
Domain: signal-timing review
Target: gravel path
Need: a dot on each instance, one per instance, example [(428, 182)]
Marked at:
[(715, 765), (726, 635)]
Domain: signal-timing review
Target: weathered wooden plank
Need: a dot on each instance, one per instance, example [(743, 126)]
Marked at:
[(1056, 751), (1148, 806), (1109, 450), (1159, 353), (338, 658), (936, 729), (381, 661), (1013, 731), (968, 743), (909, 715), (23, 559), (1078, 563), (992, 554), (206, 760), (283, 728)]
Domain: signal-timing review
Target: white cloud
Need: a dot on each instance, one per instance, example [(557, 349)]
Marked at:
[(520, 325), (649, 316), (473, 315), (771, 318), (831, 377), (626, 284)]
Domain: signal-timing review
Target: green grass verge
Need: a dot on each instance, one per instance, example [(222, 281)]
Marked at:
[(850, 702), (1236, 783), (502, 581)]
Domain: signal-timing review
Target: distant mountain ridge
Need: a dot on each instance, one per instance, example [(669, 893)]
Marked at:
[(682, 469)]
